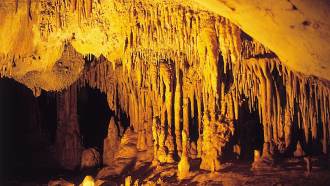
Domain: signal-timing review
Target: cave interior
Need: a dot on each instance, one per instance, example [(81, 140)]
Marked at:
[(162, 93)]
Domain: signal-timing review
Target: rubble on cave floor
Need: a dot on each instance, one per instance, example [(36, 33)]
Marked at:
[(289, 172), (130, 166)]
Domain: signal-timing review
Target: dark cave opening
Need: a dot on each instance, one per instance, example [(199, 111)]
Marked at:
[(93, 115), (249, 132), (27, 127), (193, 130)]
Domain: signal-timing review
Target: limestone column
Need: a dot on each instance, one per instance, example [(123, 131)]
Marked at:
[(111, 143), (287, 128), (68, 142), (177, 114), (200, 127), (184, 165), (186, 114), (169, 137), (325, 139), (148, 124), (211, 145)]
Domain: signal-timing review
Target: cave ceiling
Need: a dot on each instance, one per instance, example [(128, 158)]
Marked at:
[(44, 43)]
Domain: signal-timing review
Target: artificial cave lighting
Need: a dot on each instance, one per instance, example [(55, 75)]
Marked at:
[(164, 92)]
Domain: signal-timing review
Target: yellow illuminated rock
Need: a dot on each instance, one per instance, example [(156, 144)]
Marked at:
[(188, 77), (184, 165), (88, 181)]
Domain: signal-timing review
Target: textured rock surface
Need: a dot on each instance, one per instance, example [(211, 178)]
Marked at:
[(184, 165), (111, 143), (183, 76), (68, 143), (90, 158), (300, 33), (170, 75), (296, 30), (60, 182)]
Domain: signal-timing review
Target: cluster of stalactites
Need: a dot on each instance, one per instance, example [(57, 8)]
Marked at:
[(56, 9), (191, 75), (160, 31), (285, 98), (163, 100)]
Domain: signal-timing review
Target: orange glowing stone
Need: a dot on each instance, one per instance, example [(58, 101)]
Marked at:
[(88, 181)]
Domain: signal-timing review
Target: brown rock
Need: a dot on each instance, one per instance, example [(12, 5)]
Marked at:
[(111, 143), (90, 158)]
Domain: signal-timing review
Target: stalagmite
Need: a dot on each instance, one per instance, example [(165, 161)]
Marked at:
[(299, 151), (184, 165), (111, 143), (177, 112), (185, 117), (88, 181), (256, 156), (68, 142), (308, 162)]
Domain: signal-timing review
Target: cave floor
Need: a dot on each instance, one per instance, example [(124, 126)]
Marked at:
[(290, 172)]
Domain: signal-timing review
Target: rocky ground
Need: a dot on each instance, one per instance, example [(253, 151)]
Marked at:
[(131, 167), (290, 172)]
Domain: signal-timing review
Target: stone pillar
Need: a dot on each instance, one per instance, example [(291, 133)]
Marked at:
[(68, 141), (184, 165), (177, 114), (111, 143), (210, 149), (287, 129), (325, 142), (169, 138), (186, 114)]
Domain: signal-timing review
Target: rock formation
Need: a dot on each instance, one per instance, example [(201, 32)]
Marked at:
[(88, 181), (183, 76), (111, 143), (68, 142), (90, 158), (184, 165)]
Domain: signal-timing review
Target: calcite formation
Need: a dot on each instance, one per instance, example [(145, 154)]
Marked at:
[(111, 143), (184, 165), (90, 158), (68, 143), (182, 75)]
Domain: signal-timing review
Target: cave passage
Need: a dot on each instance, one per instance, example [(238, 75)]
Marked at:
[(93, 116), (27, 127), (250, 133)]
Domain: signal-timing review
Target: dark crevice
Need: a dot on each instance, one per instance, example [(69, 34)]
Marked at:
[(93, 116)]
